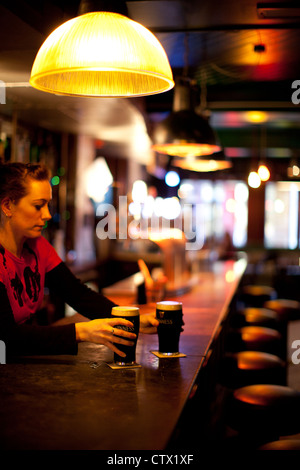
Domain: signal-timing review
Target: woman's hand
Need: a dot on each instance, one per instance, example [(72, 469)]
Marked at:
[(148, 323), (102, 332)]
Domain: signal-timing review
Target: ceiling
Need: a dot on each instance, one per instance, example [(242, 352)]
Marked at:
[(239, 60)]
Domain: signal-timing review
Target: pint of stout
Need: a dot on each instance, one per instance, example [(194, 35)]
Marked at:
[(169, 315), (131, 314)]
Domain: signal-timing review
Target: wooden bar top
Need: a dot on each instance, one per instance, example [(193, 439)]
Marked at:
[(80, 403), (204, 305)]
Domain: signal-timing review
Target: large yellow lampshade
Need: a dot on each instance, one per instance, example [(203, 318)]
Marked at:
[(102, 54)]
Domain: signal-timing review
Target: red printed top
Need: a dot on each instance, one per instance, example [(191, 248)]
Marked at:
[(22, 284), (24, 277)]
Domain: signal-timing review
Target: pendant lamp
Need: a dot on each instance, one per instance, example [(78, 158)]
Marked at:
[(104, 54), (187, 135), (217, 161)]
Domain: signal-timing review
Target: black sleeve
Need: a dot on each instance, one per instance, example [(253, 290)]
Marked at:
[(30, 340), (81, 298)]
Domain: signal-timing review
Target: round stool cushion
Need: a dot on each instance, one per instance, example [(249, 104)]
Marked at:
[(266, 409), (254, 338), (255, 316), (286, 309), (283, 444), (256, 295), (252, 367), (254, 334)]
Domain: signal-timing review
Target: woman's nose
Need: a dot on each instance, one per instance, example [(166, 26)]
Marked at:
[(46, 213)]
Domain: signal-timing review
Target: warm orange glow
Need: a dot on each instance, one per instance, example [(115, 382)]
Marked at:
[(102, 54), (293, 170), (184, 149), (256, 116), (201, 165), (166, 234), (263, 173), (248, 359)]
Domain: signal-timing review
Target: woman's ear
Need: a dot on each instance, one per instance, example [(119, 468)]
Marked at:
[(6, 207)]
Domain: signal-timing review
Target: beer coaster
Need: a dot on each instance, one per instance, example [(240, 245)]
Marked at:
[(112, 365), (170, 356)]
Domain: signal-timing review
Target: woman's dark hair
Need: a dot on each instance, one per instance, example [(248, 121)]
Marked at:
[(13, 178)]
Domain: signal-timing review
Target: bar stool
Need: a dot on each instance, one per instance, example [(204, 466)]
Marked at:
[(254, 338), (252, 367), (282, 444), (261, 413), (256, 316), (286, 309), (257, 295)]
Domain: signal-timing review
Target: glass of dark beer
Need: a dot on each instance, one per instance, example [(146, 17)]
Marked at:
[(133, 315), (170, 317)]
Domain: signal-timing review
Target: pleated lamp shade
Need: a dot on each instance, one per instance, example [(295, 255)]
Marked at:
[(185, 133), (102, 54), (201, 164), (187, 136)]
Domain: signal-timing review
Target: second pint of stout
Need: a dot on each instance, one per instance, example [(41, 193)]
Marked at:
[(133, 315), (170, 317)]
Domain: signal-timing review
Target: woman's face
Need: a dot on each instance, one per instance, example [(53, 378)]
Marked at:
[(30, 213)]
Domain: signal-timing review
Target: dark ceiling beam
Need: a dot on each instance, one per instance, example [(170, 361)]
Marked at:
[(53, 13), (250, 137), (236, 96), (226, 27)]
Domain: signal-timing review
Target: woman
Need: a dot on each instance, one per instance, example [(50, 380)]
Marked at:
[(28, 263)]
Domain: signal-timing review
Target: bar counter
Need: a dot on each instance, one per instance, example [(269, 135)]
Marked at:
[(66, 402)]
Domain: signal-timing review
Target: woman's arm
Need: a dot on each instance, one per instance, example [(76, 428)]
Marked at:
[(30, 340), (26, 339), (86, 301), (76, 294)]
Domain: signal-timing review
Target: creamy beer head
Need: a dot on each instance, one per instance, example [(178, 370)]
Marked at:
[(125, 311), (169, 305)]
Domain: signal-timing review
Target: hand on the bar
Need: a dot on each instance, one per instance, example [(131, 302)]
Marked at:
[(103, 331), (148, 323)]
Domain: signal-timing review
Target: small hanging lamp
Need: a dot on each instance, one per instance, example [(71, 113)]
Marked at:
[(104, 54), (217, 161), (187, 135)]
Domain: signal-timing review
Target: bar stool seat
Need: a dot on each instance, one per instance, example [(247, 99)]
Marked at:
[(286, 309), (257, 295), (265, 412), (254, 338), (283, 444), (256, 316), (252, 367)]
